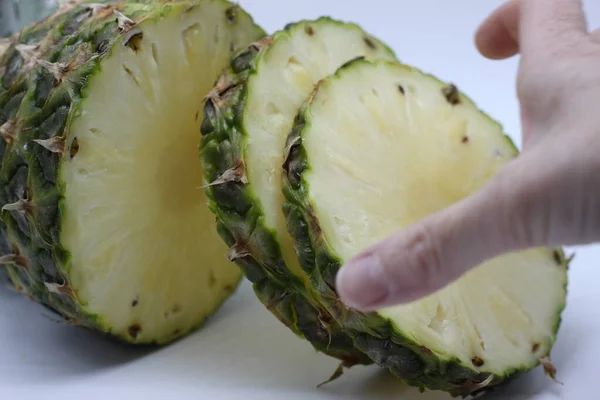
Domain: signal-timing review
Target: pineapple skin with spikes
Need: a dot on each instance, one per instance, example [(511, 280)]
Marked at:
[(44, 71)]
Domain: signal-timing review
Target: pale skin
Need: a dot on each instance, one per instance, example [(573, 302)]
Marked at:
[(548, 196)]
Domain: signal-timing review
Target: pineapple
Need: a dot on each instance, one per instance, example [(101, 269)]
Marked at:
[(103, 220), (246, 121), (377, 146)]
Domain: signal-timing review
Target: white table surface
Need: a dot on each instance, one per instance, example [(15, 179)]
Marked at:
[(244, 352)]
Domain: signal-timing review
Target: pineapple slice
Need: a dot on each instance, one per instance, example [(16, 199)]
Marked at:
[(247, 119), (105, 220), (246, 123), (376, 147)]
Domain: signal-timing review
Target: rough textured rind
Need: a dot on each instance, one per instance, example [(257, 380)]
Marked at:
[(45, 69), (239, 214), (374, 335)]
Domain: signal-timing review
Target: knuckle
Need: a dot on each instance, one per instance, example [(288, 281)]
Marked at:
[(424, 258), (541, 95), (537, 84), (524, 209), (547, 79)]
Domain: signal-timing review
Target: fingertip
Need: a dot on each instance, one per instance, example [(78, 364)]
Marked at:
[(494, 46), (497, 37), (360, 283)]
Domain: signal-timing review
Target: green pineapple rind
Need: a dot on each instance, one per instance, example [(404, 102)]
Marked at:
[(254, 246), (378, 337), (34, 105)]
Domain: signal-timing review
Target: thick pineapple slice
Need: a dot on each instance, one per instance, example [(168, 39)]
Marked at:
[(377, 147), (247, 121), (107, 222)]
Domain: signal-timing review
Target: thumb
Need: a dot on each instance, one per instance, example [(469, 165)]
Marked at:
[(423, 258)]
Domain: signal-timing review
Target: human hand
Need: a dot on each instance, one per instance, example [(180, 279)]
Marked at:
[(548, 196)]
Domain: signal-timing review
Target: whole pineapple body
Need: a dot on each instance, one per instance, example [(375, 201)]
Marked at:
[(377, 146), (102, 217)]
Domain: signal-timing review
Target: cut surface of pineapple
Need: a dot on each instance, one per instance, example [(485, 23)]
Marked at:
[(136, 221), (137, 252), (378, 147), (285, 75)]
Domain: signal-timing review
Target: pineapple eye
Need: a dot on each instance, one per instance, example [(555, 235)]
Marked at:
[(74, 148)]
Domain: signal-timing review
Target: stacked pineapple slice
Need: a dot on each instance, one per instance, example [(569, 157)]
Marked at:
[(315, 142)]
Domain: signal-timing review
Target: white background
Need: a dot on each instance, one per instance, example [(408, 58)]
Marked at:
[(244, 352)]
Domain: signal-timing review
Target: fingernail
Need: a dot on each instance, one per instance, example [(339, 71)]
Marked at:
[(361, 284)]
